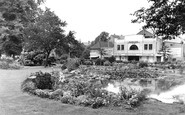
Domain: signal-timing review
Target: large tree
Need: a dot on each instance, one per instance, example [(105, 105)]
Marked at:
[(15, 15), (73, 47), (165, 17), (46, 33)]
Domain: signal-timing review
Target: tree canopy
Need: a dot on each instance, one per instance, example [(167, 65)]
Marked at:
[(15, 15), (45, 34), (165, 17)]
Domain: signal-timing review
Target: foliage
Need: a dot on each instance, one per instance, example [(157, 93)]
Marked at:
[(43, 80), (9, 64), (11, 45), (99, 61), (87, 62), (107, 63), (85, 54), (72, 63), (15, 15), (143, 64), (45, 34), (169, 25), (28, 85), (72, 46), (166, 84), (86, 86), (102, 37), (64, 57), (111, 59)]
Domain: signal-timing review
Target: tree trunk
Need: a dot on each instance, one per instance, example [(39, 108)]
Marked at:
[(46, 61)]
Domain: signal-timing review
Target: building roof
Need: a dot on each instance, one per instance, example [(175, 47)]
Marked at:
[(145, 33), (102, 44)]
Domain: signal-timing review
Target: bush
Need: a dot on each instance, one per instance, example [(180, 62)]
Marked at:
[(88, 62), (28, 63), (72, 63), (43, 80), (107, 63), (99, 61), (38, 60), (143, 64), (64, 57), (119, 61), (111, 59), (28, 85), (9, 64)]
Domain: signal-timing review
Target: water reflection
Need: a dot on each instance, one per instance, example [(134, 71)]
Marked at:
[(165, 90)]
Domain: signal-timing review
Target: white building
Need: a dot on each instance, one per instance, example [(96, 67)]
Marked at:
[(140, 47)]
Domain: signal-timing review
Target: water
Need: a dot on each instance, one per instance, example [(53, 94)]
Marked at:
[(164, 90), (176, 94)]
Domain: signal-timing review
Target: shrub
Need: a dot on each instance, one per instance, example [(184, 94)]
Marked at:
[(42, 93), (9, 64), (99, 61), (64, 57), (111, 59), (88, 62), (72, 64), (43, 81), (28, 85), (107, 63), (119, 61), (28, 63), (38, 60), (143, 64)]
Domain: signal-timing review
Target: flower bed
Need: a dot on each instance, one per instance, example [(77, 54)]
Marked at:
[(9, 64), (86, 86)]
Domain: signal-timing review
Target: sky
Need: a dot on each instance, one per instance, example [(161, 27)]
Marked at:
[(88, 18)]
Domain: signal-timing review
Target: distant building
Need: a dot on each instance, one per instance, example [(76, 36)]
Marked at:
[(106, 46), (140, 47), (176, 48)]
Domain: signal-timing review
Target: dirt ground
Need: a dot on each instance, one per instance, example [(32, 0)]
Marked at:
[(14, 102)]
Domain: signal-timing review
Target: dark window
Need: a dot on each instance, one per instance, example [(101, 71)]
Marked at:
[(145, 46), (150, 46), (133, 47), (118, 47), (122, 47)]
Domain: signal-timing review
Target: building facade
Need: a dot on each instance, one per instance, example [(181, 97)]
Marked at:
[(140, 47), (102, 50)]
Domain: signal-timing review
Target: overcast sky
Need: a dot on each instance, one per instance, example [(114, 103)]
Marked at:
[(88, 18)]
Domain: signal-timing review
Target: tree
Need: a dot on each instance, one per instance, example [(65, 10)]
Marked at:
[(102, 52), (14, 16), (45, 34), (165, 17), (102, 37), (12, 45)]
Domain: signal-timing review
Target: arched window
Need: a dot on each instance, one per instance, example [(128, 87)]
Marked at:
[(133, 47)]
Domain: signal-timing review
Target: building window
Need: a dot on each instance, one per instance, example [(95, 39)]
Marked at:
[(150, 46), (133, 47), (122, 47), (118, 47), (145, 46)]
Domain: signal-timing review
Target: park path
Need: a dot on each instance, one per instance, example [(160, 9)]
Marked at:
[(14, 102)]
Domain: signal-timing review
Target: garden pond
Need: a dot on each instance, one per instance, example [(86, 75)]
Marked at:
[(168, 88)]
